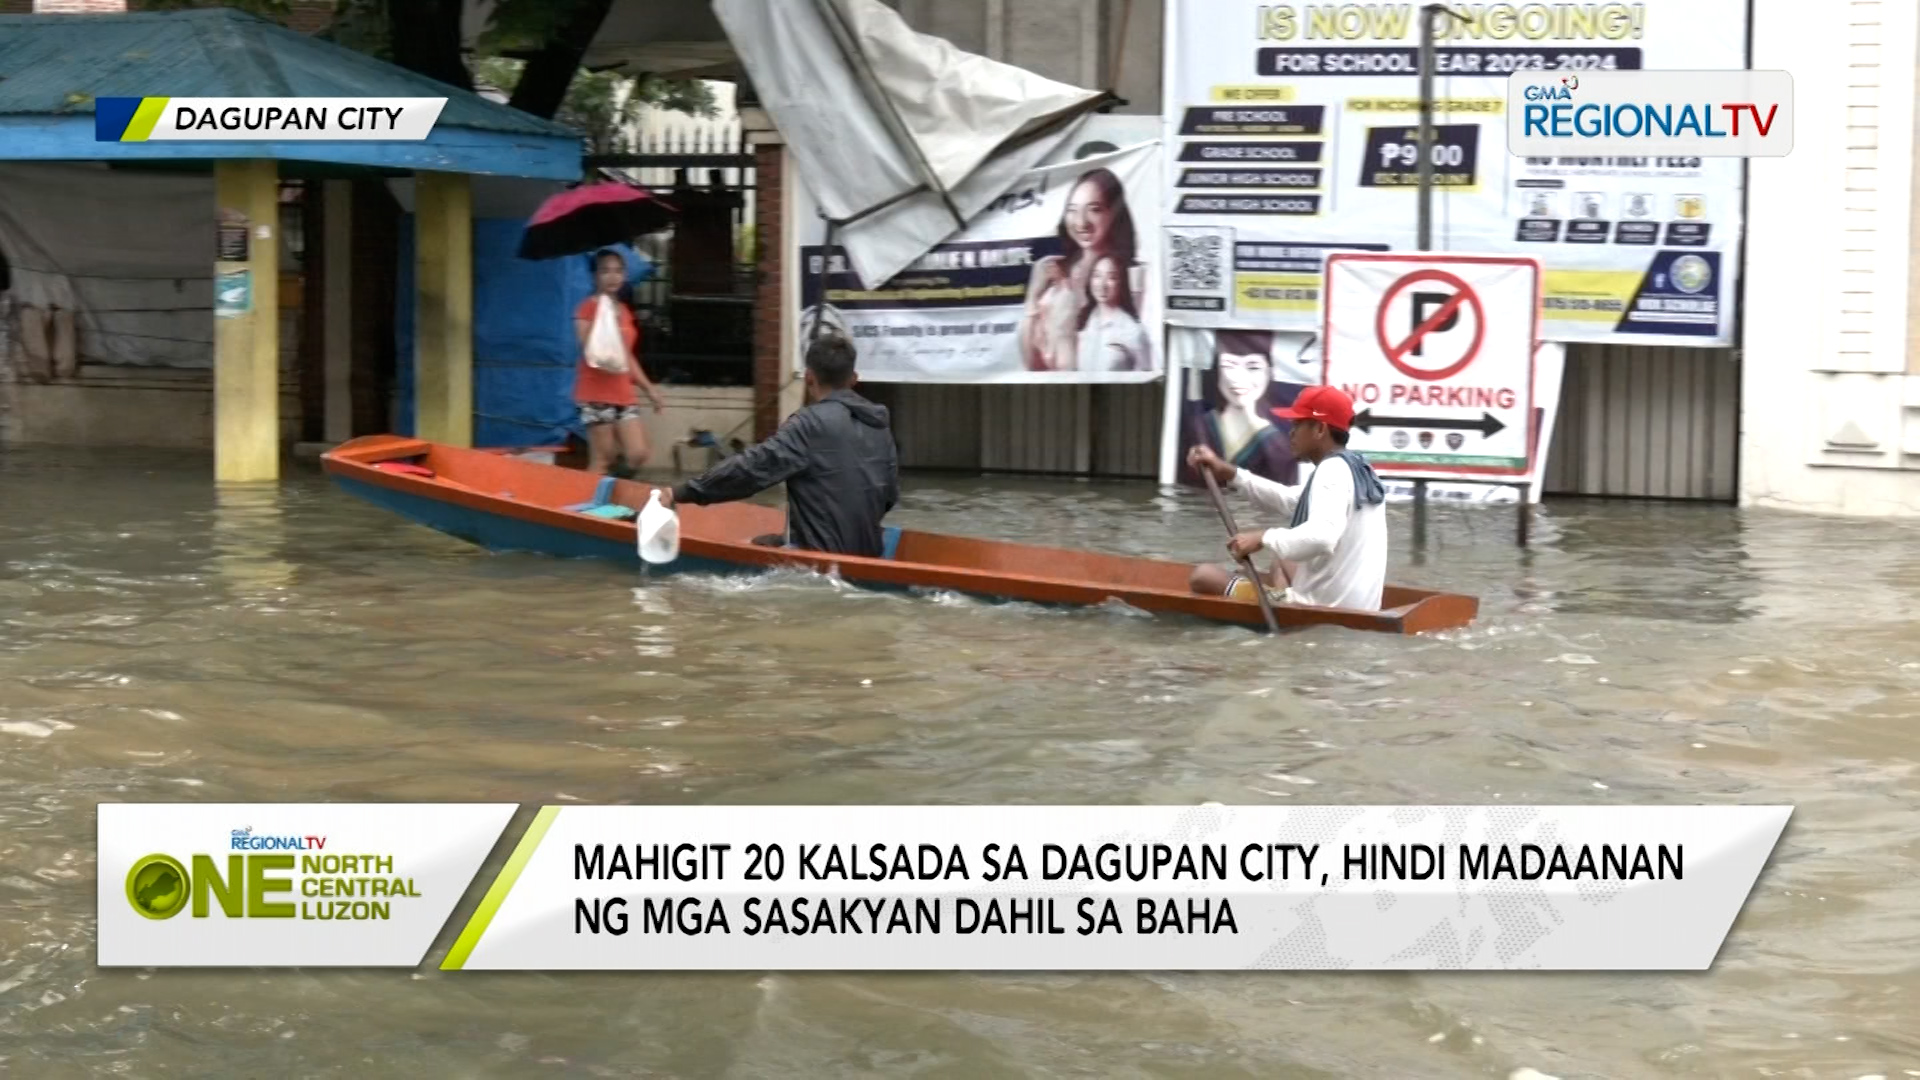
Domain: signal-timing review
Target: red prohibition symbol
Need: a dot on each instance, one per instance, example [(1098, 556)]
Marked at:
[(1463, 295)]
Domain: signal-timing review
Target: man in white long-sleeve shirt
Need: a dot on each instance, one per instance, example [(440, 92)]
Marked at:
[(1336, 541)]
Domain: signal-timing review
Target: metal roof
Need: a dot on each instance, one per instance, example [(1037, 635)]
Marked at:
[(55, 65)]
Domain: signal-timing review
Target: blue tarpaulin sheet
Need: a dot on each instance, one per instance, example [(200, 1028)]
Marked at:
[(524, 349)]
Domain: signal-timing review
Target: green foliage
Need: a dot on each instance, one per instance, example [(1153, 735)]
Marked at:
[(597, 103), (515, 25), (524, 25), (604, 105), (690, 96), (360, 25)]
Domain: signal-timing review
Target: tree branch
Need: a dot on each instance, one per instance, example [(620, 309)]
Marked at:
[(425, 38), (549, 71)]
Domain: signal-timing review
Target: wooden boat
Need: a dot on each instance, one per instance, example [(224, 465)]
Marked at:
[(503, 503)]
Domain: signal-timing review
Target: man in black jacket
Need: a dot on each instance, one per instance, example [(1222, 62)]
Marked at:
[(836, 456)]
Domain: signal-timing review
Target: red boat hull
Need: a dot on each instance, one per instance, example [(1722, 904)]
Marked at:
[(506, 503)]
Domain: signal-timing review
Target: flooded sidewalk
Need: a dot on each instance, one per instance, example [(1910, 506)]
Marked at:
[(162, 640)]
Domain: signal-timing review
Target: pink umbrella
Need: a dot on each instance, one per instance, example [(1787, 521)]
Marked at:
[(592, 216)]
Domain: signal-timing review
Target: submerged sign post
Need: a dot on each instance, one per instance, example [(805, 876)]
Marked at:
[(1437, 353)]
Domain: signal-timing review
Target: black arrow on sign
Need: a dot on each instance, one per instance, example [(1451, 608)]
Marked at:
[(1488, 424)]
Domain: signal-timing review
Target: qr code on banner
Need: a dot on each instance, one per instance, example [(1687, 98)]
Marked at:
[(1196, 261)]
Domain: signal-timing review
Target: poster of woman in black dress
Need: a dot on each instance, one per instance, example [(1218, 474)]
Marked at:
[(1234, 412)]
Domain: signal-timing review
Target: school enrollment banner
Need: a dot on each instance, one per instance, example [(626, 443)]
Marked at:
[(1291, 132), (1058, 281)]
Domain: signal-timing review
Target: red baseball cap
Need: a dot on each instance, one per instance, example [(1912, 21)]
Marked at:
[(1328, 404)]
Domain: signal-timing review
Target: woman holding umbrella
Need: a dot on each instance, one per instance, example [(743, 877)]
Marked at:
[(609, 401), (606, 388)]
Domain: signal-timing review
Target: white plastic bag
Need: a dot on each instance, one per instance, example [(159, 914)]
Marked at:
[(606, 350), (658, 531)]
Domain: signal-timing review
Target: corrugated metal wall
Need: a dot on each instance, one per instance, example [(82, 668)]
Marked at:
[(1111, 431), (938, 427), (1126, 429), (1647, 422), (1635, 421), (1036, 429)]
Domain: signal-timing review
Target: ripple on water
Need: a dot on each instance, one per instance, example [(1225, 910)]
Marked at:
[(298, 645), (33, 729)]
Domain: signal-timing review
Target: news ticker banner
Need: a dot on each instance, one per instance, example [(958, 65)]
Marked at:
[(1292, 132), (306, 119), (911, 888)]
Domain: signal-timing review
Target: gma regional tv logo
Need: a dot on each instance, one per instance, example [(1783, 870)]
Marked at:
[(314, 885), (170, 119), (1691, 114)]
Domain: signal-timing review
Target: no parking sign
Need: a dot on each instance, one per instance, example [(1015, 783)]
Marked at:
[(1437, 354)]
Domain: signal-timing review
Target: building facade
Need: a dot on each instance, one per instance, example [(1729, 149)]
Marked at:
[(1816, 409), (1830, 408)]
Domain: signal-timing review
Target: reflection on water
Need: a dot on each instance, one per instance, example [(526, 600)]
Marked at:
[(164, 640), (1713, 582), (248, 533)]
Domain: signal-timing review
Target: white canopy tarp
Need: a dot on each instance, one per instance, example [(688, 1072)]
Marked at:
[(895, 125)]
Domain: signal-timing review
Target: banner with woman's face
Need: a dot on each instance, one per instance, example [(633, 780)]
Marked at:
[(1234, 379), (1058, 281), (1229, 402)]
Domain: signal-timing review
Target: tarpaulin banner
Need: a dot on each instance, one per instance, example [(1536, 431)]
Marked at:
[(1291, 132), (905, 137), (1232, 380), (1058, 281), (128, 254)]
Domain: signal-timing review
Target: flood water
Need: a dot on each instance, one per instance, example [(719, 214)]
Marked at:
[(163, 641)]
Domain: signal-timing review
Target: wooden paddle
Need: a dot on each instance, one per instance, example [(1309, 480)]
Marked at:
[(1246, 563)]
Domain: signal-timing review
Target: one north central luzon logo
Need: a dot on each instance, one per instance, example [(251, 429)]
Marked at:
[(268, 882)]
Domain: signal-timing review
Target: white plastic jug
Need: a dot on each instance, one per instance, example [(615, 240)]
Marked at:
[(659, 531)]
